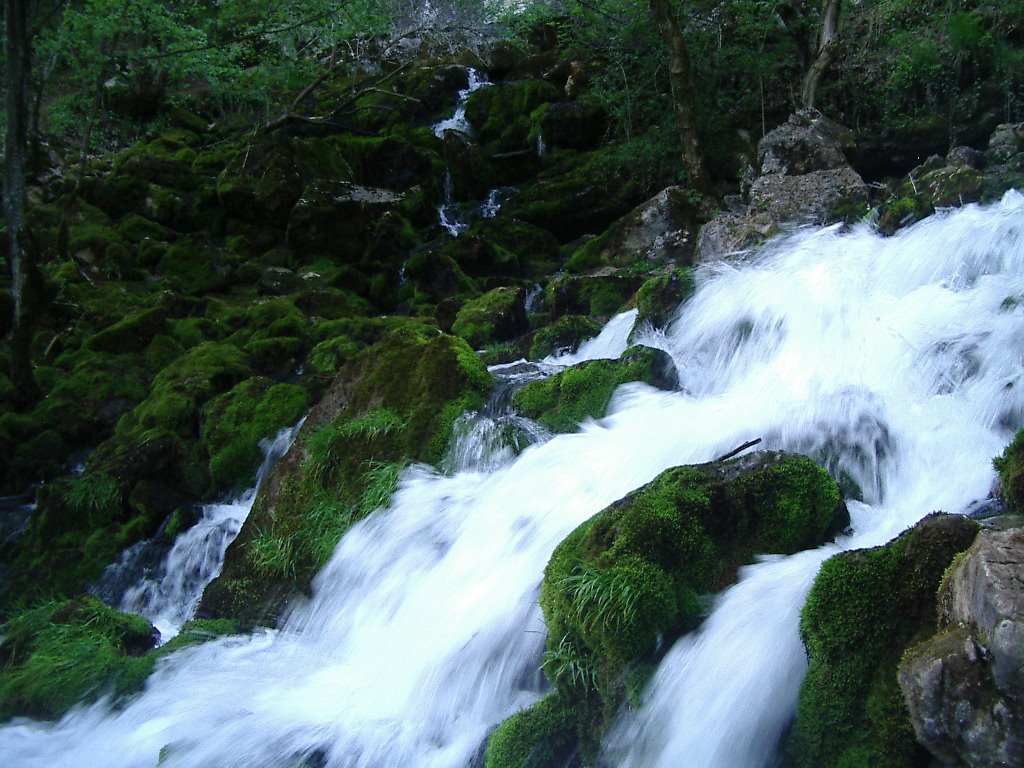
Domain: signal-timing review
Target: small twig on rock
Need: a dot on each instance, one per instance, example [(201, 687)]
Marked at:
[(741, 449)]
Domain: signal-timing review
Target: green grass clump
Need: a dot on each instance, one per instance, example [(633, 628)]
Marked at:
[(865, 609), (65, 652)]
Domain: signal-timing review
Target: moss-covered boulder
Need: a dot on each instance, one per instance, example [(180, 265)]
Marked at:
[(167, 160), (338, 218), (261, 185), (865, 609), (659, 297), (394, 402), (621, 586), (498, 315), (563, 335), (601, 293), (542, 736), (572, 125), (584, 390)]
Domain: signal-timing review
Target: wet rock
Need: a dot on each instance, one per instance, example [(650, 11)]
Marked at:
[(659, 231), (600, 293), (471, 175), (1005, 142), (817, 196), (965, 686)]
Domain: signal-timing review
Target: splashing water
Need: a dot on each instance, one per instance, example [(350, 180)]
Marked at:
[(169, 596), (423, 631), (458, 121)]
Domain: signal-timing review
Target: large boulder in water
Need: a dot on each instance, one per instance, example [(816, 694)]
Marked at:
[(865, 609), (621, 586), (393, 403), (498, 315), (964, 687)]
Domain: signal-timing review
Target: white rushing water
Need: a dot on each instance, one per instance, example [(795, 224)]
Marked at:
[(897, 361), (169, 596)]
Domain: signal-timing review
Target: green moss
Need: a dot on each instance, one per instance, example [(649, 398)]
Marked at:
[(401, 398), (658, 298), (503, 114), (565, 334), (865, 609), (498, 315), (234, 424), (638, 571), (192, 268), (1010, 466), (584, 390), (131, 334), (135, 229), (62, 653), (542, 736), (328, 356), (601, 294)]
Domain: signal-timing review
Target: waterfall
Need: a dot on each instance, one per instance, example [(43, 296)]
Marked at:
[(169, 595), (893, 360), (458, 121)]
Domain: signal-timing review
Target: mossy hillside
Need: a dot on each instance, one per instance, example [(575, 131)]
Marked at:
[(66, 652), (502, 114), (1010, 466), (640, 571), (392, 403), (541, 736), (865, 609), (584, 390), (498, 315), (580, 194)]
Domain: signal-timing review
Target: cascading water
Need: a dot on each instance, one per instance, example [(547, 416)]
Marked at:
[(423, 631), (169, 595)]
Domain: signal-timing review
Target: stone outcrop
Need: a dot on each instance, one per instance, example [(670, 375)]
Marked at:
[(964, 687), (802, 175)]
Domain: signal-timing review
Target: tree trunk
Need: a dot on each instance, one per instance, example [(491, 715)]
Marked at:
[(19, 52), (683, 95), (828, 46)]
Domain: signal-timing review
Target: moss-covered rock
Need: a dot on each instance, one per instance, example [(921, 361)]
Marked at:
[(394, 402), (584, 390), (637, 574), (582, 195), (234, 424), (193, 267), (61, 653), (601, 293), (659, 297), (865, 609), (132, 334), (167, 160), (542, 736), (498, 315), (260, 185), (338, 218), (563, 335)]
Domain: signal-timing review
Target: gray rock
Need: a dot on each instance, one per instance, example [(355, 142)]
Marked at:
[(818, 195), (1006, 141), (964, 687), (985, 591), (965, 157), (807, 142)]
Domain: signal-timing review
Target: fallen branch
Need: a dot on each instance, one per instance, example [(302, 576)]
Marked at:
[(741, 449)]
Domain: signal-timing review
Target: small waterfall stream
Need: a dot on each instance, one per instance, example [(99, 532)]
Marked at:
[(895, 359), (169, 594)]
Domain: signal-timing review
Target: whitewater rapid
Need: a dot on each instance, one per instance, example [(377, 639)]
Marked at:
[(895, 361)]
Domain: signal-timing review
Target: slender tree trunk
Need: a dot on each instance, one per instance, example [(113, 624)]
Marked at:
[(828, 47), (684, 95), (18, 61)]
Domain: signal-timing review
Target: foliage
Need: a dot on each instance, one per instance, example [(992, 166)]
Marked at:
[(1010, 466)]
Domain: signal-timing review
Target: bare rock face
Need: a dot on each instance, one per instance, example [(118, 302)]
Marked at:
[(802, 175), (964, 687)]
